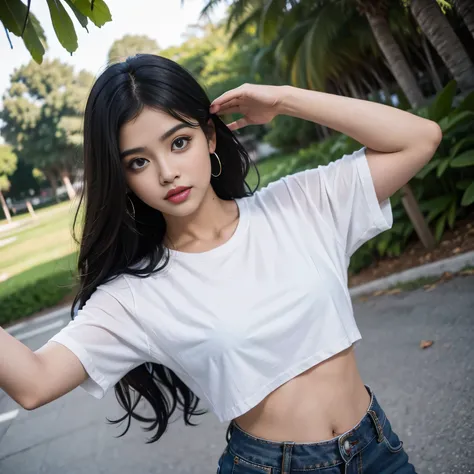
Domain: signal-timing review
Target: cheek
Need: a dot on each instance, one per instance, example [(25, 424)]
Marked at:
[(199, 170), (145, 187)]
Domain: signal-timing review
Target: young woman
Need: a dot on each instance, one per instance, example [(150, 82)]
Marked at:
[(194, 287)]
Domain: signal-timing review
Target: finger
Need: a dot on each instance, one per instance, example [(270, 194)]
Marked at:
[(226, 96), (231, 110), (222, 109), (242, 122), (233, 103)]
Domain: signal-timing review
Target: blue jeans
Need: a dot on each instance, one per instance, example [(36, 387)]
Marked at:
[(371, 447)]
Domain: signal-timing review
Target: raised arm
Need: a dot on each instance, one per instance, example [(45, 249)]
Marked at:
[(33, 379), (399, 144)]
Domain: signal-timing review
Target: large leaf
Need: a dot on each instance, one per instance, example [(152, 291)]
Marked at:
[(383, 243), (63, 25), (269, 20), (12, 15), (454, 119), (436, 206), (443, 103), (241, 28), (99, 15), (34, 38), (464, 159), (467, 103), (423, 112), (426, 170), (468, 197), (82, 19), (443, 166), (440, 225), (467, 142), (262, 55), (452, 215)]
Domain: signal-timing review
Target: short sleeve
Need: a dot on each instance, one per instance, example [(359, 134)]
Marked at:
[(342, 194), (107, 339)]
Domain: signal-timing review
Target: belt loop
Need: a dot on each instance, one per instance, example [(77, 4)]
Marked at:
[(378, 427), (286, 461)]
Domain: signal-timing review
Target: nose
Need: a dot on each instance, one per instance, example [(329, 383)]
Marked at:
[(168, 173)]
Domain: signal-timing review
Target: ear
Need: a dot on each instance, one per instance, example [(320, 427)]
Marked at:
[(212, 139)]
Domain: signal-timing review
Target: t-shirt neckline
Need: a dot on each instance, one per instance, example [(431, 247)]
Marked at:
[(228, 245)]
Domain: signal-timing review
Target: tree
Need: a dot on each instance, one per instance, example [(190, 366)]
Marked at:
[(376, 14), (18, 20), (441, 35), (377, 18), (42, 114), (321, 40), (465, 9), (22, 181), (130, 45), (8, 162)]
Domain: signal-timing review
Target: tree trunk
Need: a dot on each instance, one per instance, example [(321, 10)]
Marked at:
[(5, 208), (465, 9), (416, 217), (406, 80), (396, 61), (440, 34), (51, 177), (433, 72), (383, 86), (31, 210), (67, 182)]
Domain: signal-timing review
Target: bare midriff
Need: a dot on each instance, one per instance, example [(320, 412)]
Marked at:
[(317, 405)]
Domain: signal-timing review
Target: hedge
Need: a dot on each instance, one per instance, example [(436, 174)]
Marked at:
[(40, 287)]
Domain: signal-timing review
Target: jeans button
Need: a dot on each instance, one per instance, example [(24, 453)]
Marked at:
[(347, 446)]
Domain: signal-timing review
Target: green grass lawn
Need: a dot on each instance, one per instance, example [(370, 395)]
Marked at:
[(37, 262), (38, 241)]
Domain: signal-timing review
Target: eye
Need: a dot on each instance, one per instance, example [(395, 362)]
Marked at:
[(137, 163), (180, 141)]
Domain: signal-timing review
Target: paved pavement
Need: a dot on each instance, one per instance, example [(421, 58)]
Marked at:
[(428, 394)]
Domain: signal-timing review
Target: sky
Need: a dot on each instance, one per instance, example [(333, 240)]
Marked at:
[(163, 20)]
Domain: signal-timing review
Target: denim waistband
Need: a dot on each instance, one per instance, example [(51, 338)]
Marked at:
[(290, 455)]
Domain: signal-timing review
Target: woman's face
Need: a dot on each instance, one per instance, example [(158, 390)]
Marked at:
[(158, 158)]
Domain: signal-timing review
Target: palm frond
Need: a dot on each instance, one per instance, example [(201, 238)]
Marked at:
[(252, 18)]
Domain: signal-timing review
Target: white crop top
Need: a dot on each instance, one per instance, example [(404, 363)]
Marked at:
[(236, 322)]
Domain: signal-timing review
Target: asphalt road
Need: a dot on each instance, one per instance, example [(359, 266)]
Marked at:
[(428, 395)]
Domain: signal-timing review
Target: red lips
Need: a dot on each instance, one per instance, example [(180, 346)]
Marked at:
[(177, 190)]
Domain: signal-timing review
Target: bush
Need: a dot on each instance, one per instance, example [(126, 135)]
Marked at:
[(446, 184), (40, 287)]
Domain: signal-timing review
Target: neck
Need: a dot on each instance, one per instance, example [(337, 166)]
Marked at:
[(206, 227)]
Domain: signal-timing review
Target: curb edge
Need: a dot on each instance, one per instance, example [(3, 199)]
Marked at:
[(451, 264)]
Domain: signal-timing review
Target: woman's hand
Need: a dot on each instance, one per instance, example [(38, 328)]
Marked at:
[(258, 103)]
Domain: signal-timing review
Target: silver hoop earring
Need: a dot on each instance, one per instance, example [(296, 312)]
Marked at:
[(220, 166), (133, 208)]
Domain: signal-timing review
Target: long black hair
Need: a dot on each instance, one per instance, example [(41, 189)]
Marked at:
[(113, 240)]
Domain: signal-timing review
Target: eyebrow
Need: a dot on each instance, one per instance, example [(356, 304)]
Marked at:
[(163, 137)]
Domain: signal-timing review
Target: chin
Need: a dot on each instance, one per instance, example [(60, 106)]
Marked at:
[(180, 210)]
